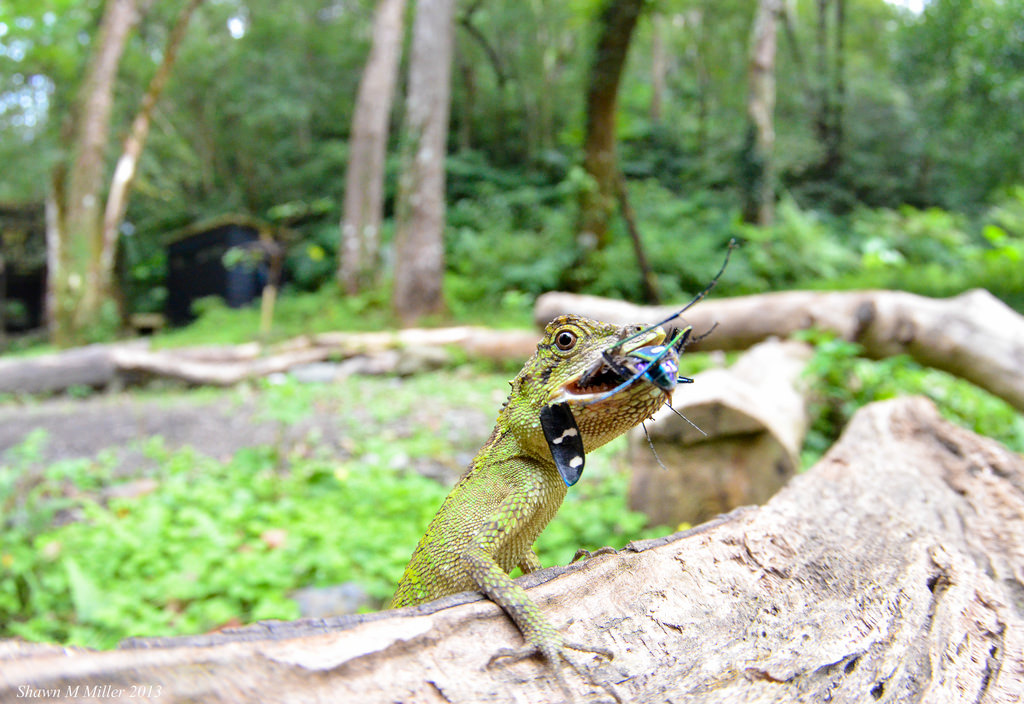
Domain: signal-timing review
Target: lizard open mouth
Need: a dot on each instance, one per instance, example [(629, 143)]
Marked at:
[(599, 379)]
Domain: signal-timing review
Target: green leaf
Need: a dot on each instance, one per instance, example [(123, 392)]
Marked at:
[(85, 594)]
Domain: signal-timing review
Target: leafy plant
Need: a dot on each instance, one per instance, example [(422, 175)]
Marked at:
[(841, 381), (214, 542)]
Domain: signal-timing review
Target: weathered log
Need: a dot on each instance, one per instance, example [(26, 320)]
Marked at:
[(98, 366), (752, 419), (892, 571), (498, 345), (168, 365), (91, 366), (974, 335)]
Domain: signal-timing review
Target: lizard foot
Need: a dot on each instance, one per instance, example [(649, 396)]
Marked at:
[(529, 651), (582, 554), (552, 656)]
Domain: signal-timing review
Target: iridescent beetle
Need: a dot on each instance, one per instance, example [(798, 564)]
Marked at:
[(659, 364)]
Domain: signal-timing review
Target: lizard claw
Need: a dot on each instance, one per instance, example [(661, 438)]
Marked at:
[(579, 647), (513, 654), (583, 554), (552, 656)]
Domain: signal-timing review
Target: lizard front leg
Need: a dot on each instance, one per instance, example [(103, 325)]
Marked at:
[(481, 565), (529, 562), (483, 569)]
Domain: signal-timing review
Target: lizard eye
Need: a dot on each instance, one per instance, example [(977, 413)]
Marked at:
[(565, 340)]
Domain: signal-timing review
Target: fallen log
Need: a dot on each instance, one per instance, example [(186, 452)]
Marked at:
[(91, 366), (98, 366), (218, 372), (892, 571), (974, 335)]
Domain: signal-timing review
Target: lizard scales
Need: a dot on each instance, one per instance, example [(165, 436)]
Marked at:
[(515, 484)]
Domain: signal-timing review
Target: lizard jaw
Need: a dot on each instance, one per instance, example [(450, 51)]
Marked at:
[(598, 379)]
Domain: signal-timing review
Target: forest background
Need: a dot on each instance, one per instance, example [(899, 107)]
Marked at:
[(611, 147), (894, 159)]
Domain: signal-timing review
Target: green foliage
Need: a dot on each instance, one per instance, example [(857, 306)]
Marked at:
[(196, 553), (841, 381), (213, 542), (295, 314)]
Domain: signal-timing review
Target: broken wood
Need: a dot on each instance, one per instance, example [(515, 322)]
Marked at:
[(974, 335), (98, 366), (892, 571), (752, 419), (91, 366)]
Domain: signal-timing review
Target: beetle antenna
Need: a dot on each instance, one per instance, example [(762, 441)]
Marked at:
[(733, 244), (651, 444), (684, 418)]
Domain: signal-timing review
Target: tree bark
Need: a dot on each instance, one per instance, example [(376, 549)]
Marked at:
[(891, 571), (420, 217), (832, 87), (618, 19), (974, 335), (364, 178), (80, 234), (102, 270), (759, 176), (652, 293)]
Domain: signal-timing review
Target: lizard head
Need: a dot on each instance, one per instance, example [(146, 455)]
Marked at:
[(556, 409)]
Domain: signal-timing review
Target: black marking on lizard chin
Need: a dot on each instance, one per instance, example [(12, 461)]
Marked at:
[(564, 441)]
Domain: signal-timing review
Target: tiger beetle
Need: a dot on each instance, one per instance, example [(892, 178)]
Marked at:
[(658, 364)]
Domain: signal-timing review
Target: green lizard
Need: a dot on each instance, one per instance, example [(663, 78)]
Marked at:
[(515, 484)]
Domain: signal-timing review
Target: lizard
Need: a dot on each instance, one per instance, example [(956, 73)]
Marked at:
[(559, 409)]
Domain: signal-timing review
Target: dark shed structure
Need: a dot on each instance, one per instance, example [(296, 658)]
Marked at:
[(22, 266), (195, 267)]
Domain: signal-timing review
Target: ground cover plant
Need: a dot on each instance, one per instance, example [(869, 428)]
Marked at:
[(222, 541)]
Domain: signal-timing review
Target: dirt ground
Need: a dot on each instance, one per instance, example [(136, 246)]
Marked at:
[(83, 428), (216, 426)]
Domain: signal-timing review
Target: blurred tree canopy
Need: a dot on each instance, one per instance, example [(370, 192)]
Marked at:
[(257, 115)]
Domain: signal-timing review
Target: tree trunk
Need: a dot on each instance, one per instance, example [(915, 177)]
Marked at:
[(364, 179), (3, 299), (652, 294), (78, 235), (822, 118), (616, 24), (834, 154), (82, 234), (420, 217), (759, 176), (832, 88), (659, 67), (103, 265), (891, 571), (974, 335), (703, 88)]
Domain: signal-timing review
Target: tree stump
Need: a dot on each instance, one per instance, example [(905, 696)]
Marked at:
[(891, 571), (752, 419)]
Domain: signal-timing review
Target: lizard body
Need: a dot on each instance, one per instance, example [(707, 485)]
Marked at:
[(515, 484)]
